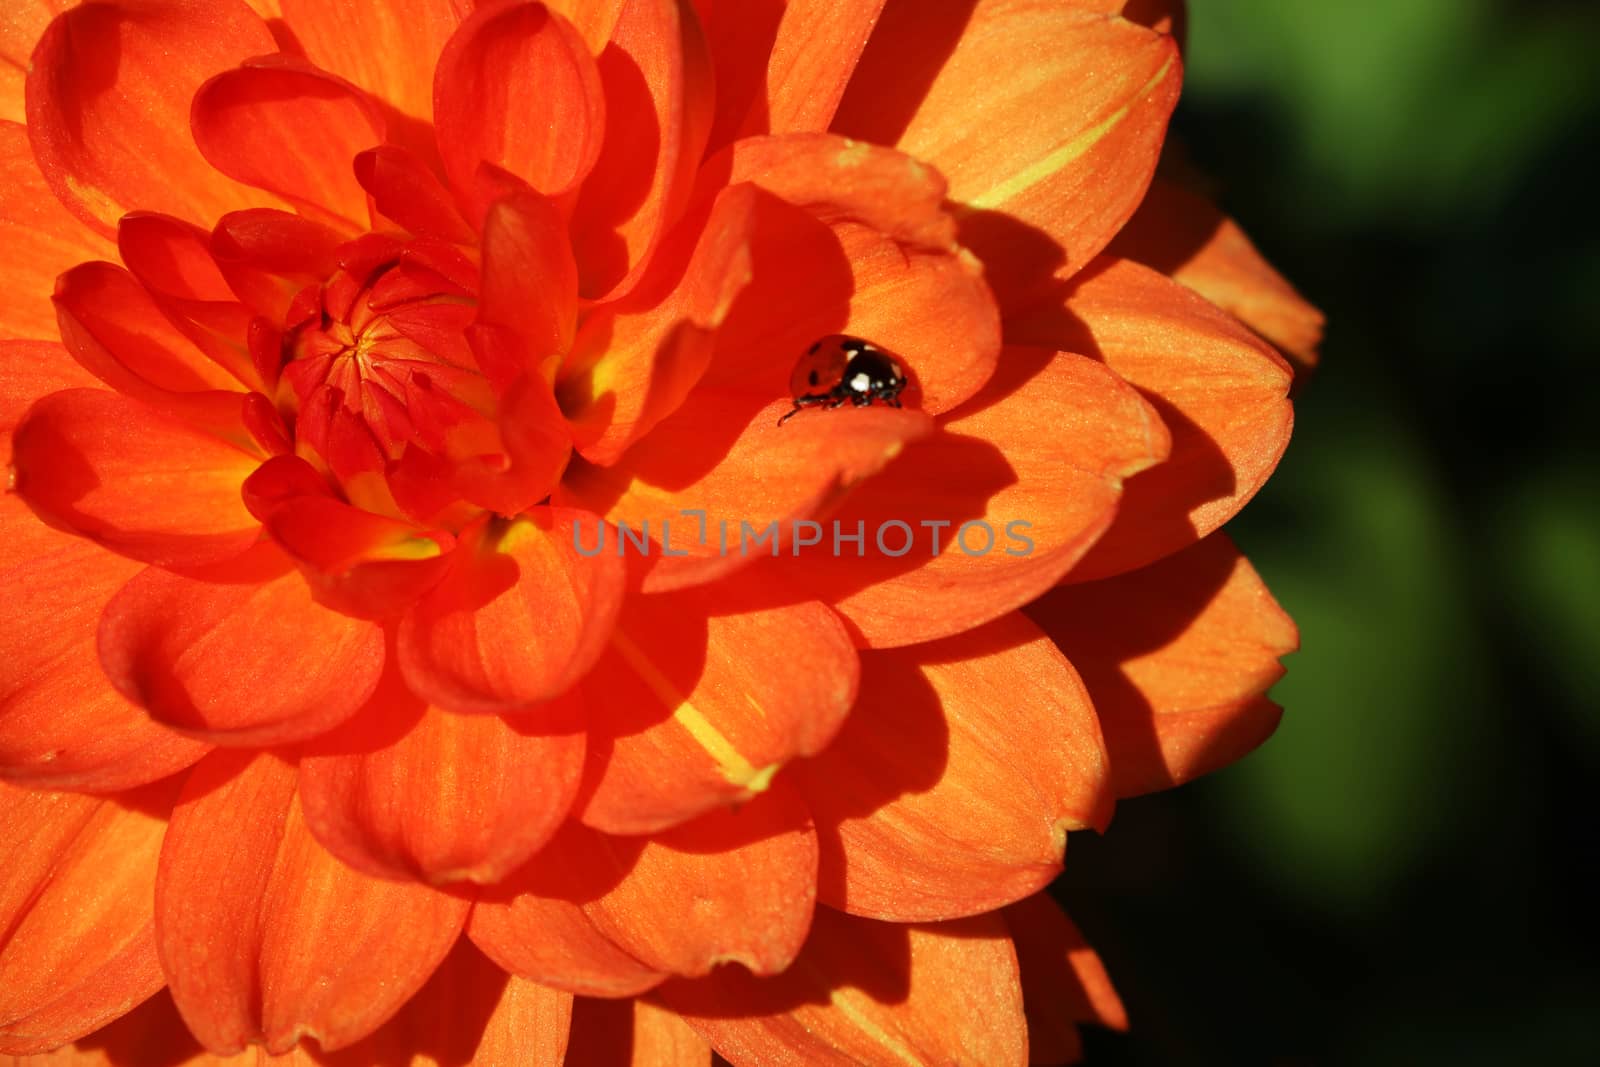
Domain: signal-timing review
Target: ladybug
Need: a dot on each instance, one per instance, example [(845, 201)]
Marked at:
[(840, 369)]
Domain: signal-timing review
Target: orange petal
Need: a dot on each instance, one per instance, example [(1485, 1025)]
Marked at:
[(114, 327), (783, 67), (518, 619), (656, 75), (1035, 462), (1051, 165), (878, 260), (108, 107), (922, 812), (265, 936), (525, 237), (469, 1012), (245, 657), (636, 359), (405, 189), (132, 479), (41, 237), (282, 125), (1165, 16), (1222, 392), (533, 926), (504, 56), (404, 790), (30, 370), (23, 24), (388, 50), (736, 884), (723, 457), (1061, 975), (1177, 657), (865, 992), (633, 1033), (77, 944), (62, 726), (697, 703), (1182, 234)]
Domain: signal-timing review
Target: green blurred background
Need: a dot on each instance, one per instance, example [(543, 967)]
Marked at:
[(1394, 877)]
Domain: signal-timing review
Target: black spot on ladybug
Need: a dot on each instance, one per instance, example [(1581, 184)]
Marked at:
[(840, 370)]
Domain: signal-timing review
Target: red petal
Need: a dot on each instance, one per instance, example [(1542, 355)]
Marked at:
[(532, 926), (698, 702), (1061, 974), (924, 809), (266, 937), (737, 884), (291, 129), (517, 87), (635, 360), (269, 256), (886, 267), (407, 191), (77, 945), (246, 658), (871, 993), (783, 67), (1176, 656), (108, 106), (388, 50), (520, 617), (1183, 234), (524, 237), (40, 237), (116, 330), (722, 455), (1066, 151), (404, 790), (1221, 391), (132, 479), (1036, 461), (62, 726), (656, 75), (633, 1033)]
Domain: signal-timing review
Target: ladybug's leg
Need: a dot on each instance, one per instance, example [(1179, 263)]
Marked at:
[(802, 402)]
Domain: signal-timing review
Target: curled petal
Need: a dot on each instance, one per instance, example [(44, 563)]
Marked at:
[(30, 370), (991, 511), (864, 992), (723, 456), (1222, 392), (40, 236), (783, 67), (736, 884), (920, 812), (404, 790), (404, 189), (62, 726), (516, 87), (868, 249), (656, 75), (697, 703), (1049, 166), (284, 126), (104, 466), (636, 359), (519, 618), (524, 237), (1182, 234), (108, 106), (1177, 657), (245, 657), (77, 944), (266, 937)]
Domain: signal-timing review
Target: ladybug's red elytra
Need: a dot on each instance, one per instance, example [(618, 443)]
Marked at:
[(840, 369)]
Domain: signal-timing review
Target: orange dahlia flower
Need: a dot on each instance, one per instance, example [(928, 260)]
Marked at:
[(422, 638)]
